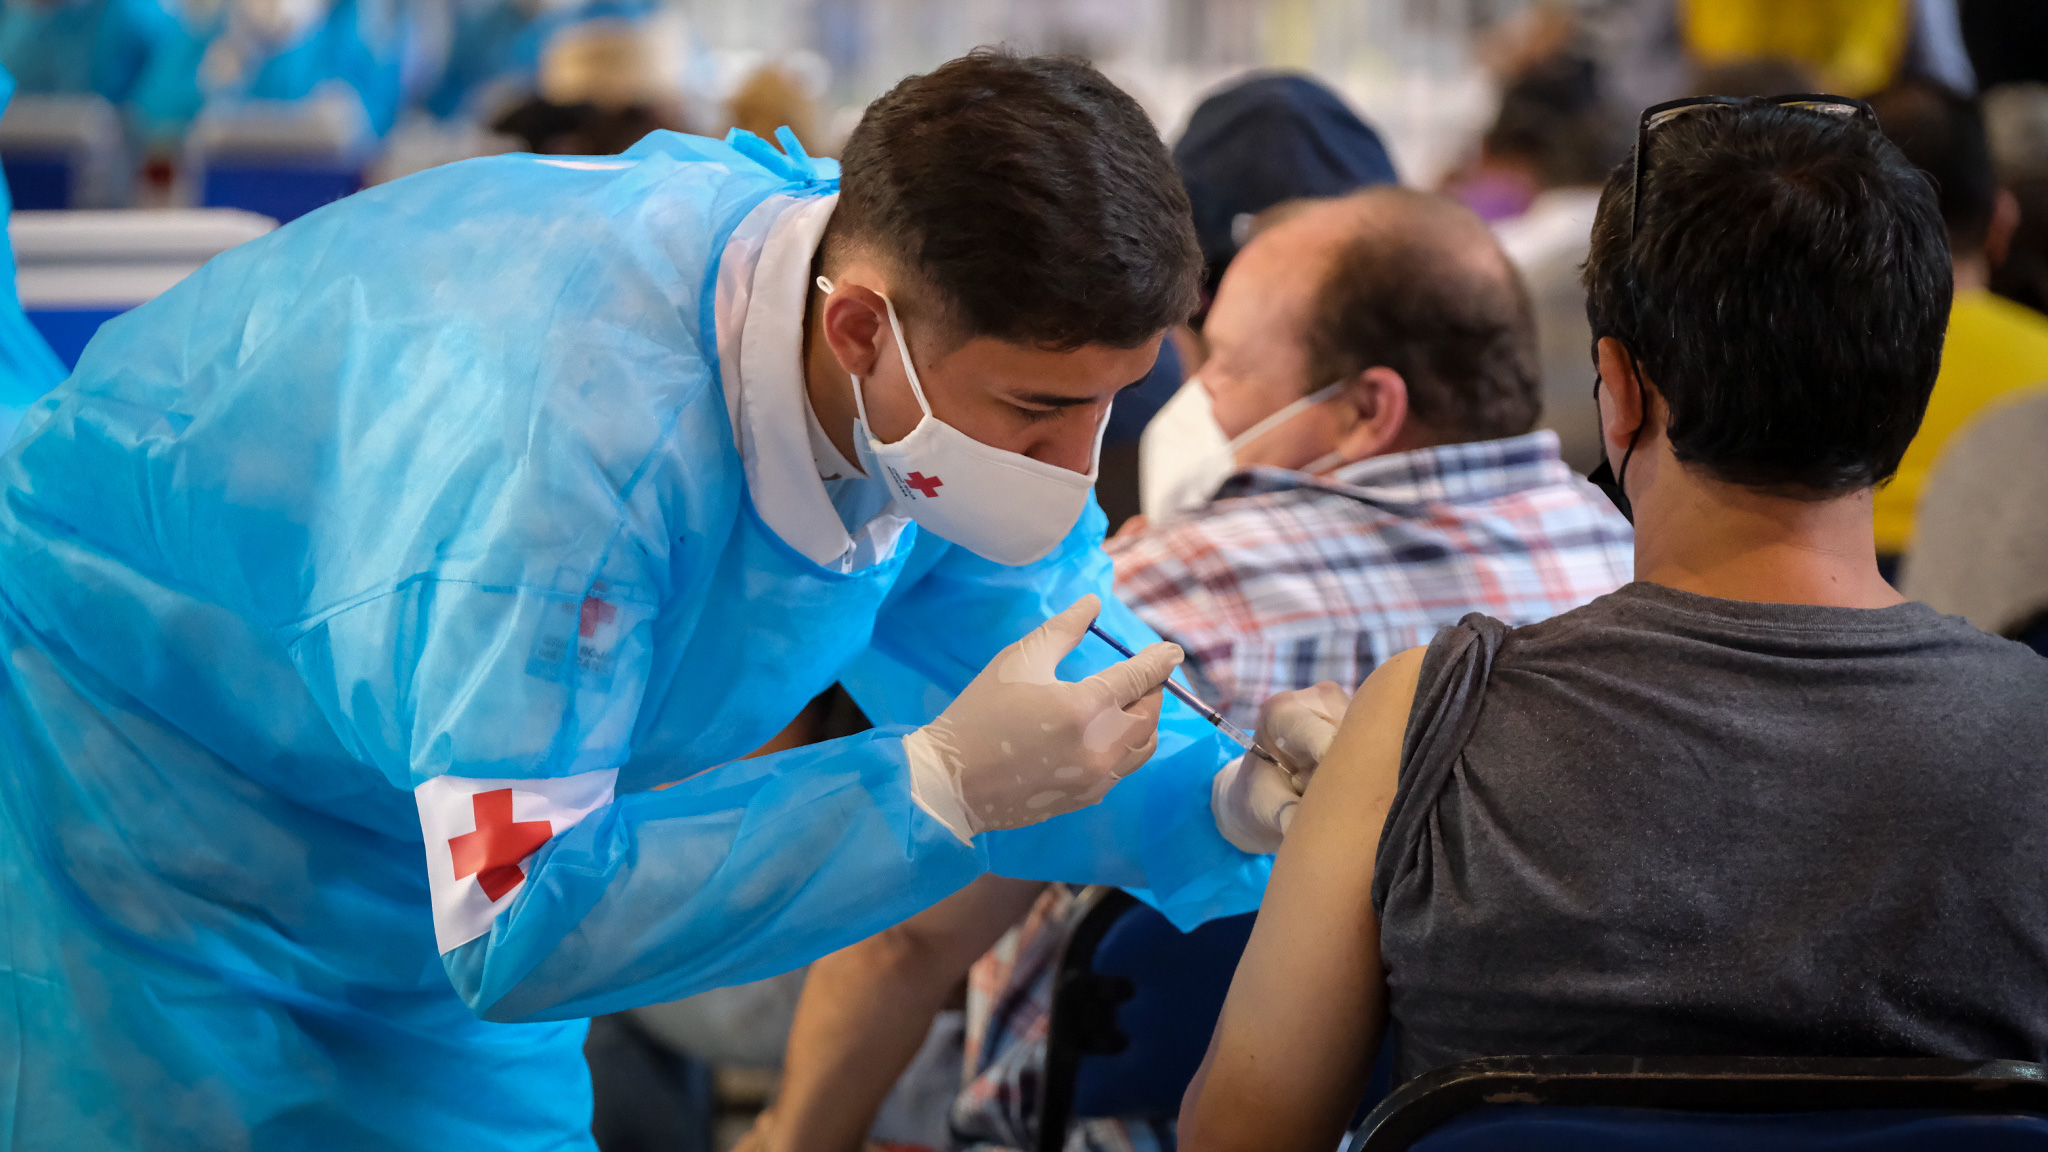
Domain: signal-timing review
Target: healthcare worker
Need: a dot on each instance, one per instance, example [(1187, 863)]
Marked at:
[(137, 54), (300, 49), (387, 606), (28, 368)]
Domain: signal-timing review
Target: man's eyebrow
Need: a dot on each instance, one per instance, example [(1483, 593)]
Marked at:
[(1055, 400)]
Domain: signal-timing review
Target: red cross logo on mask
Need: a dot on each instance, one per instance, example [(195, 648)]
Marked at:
[(492, 853), (929, 485)]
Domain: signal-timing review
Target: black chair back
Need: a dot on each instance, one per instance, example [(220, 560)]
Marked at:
[(1675, 1101)]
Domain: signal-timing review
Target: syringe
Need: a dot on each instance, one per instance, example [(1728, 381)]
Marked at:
[(1186, 697)]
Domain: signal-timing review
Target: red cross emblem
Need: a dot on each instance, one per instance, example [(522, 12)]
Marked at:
[(492, 853), (929, 485), (596, 614)]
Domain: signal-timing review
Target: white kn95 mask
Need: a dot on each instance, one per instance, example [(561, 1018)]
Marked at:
[(1003, 506), (1184, 456)]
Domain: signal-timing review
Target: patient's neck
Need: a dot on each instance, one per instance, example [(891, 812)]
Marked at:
[(1702, 535)]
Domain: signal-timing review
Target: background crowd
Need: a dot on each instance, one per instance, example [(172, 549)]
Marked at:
[(1453, 153)]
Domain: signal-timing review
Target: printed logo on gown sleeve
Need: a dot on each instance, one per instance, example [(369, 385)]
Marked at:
[(481, 835), (579, 641)]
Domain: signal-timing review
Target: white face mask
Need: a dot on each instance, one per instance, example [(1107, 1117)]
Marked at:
[(1003, 506), (1183, 455)]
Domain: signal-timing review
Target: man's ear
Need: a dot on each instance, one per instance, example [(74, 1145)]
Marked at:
[(1621, 398), (1378, 398), (856, 321)]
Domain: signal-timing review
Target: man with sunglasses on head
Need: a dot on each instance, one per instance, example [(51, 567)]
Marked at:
[(1754, 803)]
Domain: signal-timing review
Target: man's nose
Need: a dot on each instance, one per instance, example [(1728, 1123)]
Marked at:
[(1069, 439)]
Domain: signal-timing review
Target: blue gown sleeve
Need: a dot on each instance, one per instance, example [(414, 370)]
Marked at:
[(734, 875), (1154, 834), (731, 875)]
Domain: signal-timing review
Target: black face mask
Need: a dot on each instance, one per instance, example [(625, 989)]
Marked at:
[(1604, 476)]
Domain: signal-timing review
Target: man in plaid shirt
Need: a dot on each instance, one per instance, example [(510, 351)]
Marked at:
[(1287, 579), (1357, 518)]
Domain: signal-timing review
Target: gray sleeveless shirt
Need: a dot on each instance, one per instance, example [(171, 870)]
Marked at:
[(1664, 824)]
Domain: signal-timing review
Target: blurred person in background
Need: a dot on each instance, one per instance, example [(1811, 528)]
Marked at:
[(2016, 121), (1254, 144), (296, 50), (139, 55), (600, 91), (1854, 47), (1558, 130), (1980, 543), (497, 49), (1374, 373), (1261, 142), (1403, 496), (1994, 347), (774, 96)]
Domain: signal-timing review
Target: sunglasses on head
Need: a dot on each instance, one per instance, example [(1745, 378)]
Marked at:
[(1658, 115)]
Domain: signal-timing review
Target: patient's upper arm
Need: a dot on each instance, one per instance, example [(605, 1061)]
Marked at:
[(1293, 1049)]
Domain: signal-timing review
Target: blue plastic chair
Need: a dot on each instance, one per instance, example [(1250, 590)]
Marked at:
[(1713, 1104), (280, 189), (38, 179), (1134, 1003), (69, 330)]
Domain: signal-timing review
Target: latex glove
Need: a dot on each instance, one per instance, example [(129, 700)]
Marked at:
[(1020, 745), (1254, 795)]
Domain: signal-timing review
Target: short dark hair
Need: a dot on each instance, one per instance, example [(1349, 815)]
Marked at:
[(1943, 135), (1786, 291), (1033, 197), (1556, 118), (1427, 292)]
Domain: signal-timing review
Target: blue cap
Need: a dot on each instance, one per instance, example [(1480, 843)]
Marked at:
[(1269, 139)]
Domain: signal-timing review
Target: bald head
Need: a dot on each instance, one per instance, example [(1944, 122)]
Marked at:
[(1414, 282)]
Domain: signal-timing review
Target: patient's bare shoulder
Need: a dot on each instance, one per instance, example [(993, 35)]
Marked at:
[(1363, 766)]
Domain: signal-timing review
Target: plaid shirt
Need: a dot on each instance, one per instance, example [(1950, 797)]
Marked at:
[(1009, 1008), (1286, 579)]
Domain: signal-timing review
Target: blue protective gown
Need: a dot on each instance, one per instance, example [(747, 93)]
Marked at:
[(312, 529), (28, 368)]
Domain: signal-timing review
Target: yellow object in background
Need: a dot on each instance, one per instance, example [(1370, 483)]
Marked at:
[(1853, 45), (1994, 348)]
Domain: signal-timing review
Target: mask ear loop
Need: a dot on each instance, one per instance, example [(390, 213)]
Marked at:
[(1604, 476), (909, 370), (1292, 409), (1643, 402)]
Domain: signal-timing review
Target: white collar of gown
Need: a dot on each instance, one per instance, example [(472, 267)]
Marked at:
[(799, 480)]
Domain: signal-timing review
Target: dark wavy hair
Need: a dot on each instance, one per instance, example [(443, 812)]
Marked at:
[(1034, 197), (1786, 291)]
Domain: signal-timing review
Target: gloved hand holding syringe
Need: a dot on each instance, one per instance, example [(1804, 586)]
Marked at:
[(1020, 746), (1253, 797), (1188, 698)]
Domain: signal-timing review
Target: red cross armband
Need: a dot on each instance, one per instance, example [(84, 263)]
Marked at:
[(480, 834)]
